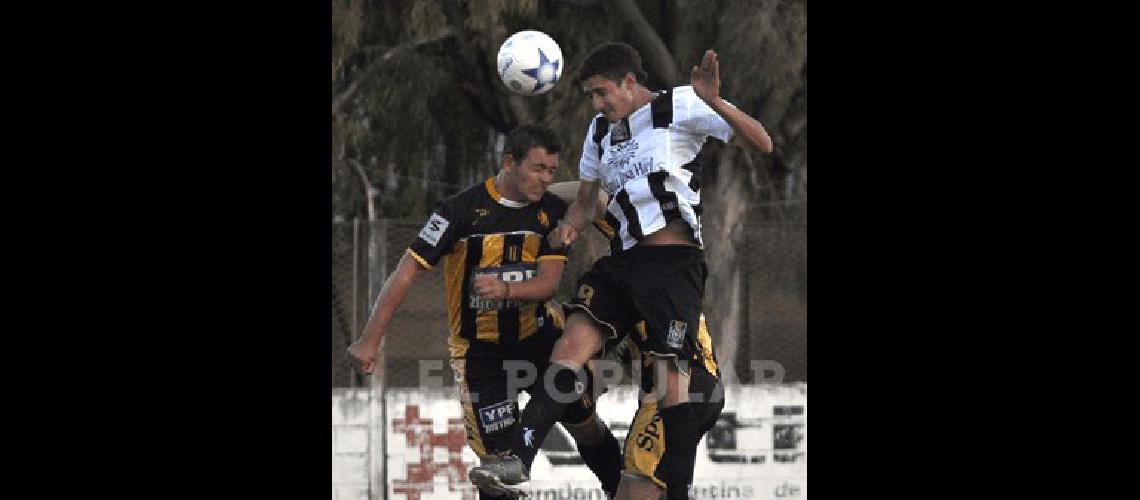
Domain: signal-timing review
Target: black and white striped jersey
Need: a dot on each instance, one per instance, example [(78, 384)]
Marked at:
[(648, 164)]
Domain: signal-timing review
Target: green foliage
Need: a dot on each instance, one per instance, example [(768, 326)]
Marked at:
[(347, 22)]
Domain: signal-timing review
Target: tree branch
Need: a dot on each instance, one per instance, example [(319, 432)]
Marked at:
[(375, 65), (475, 78)]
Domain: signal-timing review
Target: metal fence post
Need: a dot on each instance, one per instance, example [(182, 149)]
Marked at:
[(355, 323), (377, 271)]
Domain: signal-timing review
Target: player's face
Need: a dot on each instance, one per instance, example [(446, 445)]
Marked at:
[(614, 99), (534, 174)]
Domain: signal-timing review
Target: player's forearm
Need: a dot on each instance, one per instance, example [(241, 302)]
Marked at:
[(532, 290), (579, 217), (744, 125), (541, 287), (584, 208), (391, 296)]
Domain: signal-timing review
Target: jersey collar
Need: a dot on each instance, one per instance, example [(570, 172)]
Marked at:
[(490, 184)]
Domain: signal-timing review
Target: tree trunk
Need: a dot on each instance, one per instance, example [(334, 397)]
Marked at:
[(655, 55), (723, 233)]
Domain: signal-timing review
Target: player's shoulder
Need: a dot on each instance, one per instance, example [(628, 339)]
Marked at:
[(552, 203), (475, 193), (683, 94), (551, 209), (460, 203)]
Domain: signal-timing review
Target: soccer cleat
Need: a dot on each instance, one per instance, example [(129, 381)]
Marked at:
[(494, 476)]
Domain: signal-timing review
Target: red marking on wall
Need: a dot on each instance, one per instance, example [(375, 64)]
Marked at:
[(418, 433)]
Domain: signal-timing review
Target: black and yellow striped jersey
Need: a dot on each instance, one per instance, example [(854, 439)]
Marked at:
[(477, 231)]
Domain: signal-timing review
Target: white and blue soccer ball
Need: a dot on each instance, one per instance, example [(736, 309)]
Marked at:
[(530, 62)]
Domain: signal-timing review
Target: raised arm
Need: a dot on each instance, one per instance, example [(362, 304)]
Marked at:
[(706, 84), (366, 348), (585, 206)]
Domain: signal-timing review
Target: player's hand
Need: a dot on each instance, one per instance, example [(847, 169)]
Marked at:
[(706, 78), (563, 235), (363, 355), (489, 286)]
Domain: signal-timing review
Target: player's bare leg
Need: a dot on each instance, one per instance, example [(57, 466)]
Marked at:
[(580, 340)]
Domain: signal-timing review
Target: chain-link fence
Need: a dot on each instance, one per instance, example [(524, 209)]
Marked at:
[(765, 320), (774, 302)]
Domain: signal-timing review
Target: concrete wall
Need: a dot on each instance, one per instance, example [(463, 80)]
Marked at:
[(757, 450)]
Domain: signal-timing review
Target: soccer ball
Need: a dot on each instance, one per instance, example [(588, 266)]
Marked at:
[(530, 62)]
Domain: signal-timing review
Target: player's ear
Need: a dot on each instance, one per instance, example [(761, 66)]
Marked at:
[(629, 80)]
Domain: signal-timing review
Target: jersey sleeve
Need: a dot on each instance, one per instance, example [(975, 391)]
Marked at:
[(547, 253), (438, 235), (693, 115), (591, 153)]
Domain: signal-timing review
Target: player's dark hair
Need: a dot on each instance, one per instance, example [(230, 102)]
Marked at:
[(611, 61), (526, 137)]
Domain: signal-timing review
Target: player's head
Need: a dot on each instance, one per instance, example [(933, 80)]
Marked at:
[(530, 157), (613, 77)]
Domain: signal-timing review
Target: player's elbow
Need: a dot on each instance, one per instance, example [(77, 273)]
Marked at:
[(762, 141)]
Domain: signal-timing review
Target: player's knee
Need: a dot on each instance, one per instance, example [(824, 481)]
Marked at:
[(580, 340)]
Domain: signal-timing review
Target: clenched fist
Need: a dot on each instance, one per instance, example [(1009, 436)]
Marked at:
[(563, 235)]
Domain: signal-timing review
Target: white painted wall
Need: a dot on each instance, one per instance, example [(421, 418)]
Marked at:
[(768, 472)]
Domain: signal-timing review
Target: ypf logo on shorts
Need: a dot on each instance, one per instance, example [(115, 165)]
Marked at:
[(497, 416), (676, 333)]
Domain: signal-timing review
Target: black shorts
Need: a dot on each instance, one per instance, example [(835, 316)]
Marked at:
[(660, 284), (490, 406), (645, 443)]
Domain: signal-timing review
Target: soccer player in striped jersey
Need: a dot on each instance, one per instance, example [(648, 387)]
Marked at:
[(642, 148), (500, 273), (645, 468)]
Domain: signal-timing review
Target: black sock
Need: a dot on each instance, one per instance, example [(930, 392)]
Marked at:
[(681, 438), (603, 457), (542, 411)]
